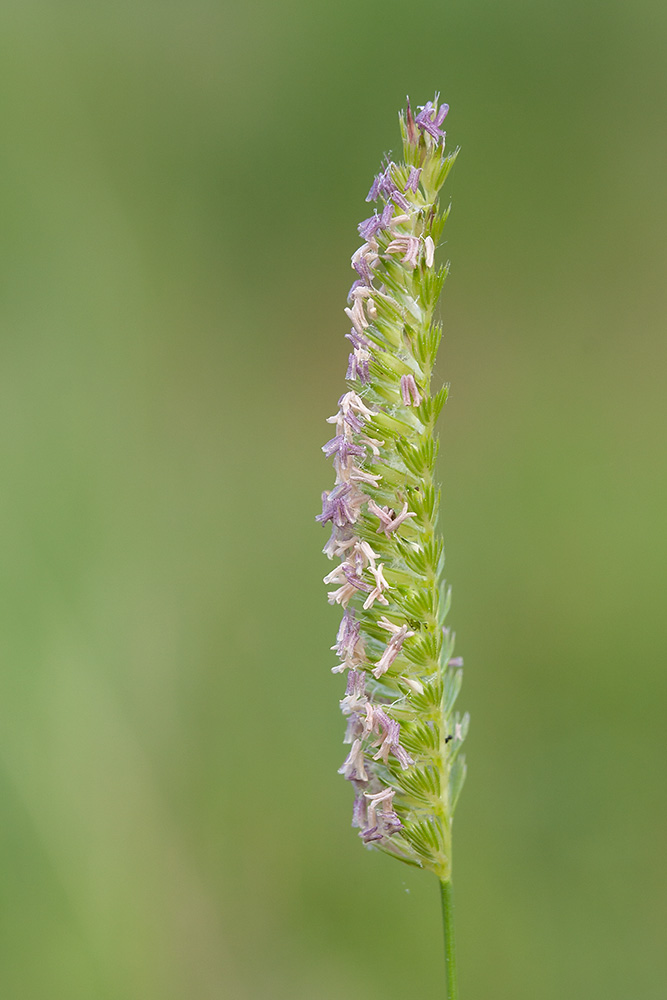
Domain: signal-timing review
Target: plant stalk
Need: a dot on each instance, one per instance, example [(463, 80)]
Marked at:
[(447, 898)]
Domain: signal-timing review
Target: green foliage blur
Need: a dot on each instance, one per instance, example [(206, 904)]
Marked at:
[(181, 184)]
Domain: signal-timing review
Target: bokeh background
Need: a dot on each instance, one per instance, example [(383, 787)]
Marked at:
[(180, 188)]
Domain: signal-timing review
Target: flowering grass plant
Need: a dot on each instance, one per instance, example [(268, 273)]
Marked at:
[(402, 679)]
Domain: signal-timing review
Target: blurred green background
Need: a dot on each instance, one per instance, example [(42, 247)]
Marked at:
[(180, 187)]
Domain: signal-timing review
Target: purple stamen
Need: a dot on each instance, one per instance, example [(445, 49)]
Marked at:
[(387, 822), (443, 111), (359, 810), (409, 391), (400, 200), (402, 756), (387, 215), (409, 245), (346, 639), (385, 185), (340, 446), (393, 647), (353, 767), (362, 268), (354, 421), (413, 180), (390, 743), (357, 339), (354, 580), (369, 227), (354, 729), (356, 679), (355, 285), (375, 189), (357, 367), (337, 506), (429, 120)]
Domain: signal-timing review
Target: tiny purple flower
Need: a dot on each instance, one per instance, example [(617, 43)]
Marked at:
[(390, 744), (370, 835), (407, 245), (357, 316), (359, 810), (356, 581), (393, 647), (369, 227), (351, 402), (353, 767), (354, 421), (363, 261), (361, 266), (387, 822), (389, 519), (402, 756), (353, 288), (429, 120), (377, 594), (357, 339), (343, 448), (356, 679), (375, 189), (354, 729), (357, 366), (380, 184), (386, 186), (340, 506)]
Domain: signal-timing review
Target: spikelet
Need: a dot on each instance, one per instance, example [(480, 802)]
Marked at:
[(404, 737)]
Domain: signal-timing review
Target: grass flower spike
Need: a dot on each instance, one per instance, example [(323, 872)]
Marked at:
[(404, 735)]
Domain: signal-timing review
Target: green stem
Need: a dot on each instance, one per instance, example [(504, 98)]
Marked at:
[(448, 926)]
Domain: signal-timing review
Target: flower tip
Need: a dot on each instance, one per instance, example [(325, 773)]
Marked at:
[(431, 117)]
